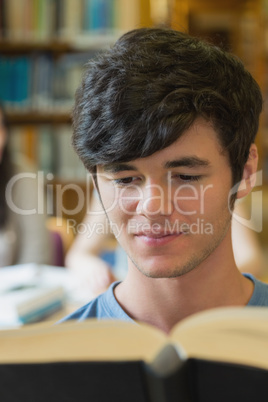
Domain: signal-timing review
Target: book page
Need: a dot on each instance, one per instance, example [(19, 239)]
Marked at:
[(89, 340), (232, 334), (238, 335)]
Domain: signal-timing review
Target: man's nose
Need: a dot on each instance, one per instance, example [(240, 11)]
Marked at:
[(156, 201)]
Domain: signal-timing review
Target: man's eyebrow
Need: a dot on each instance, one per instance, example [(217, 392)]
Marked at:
[(188, 161), (118, 167)]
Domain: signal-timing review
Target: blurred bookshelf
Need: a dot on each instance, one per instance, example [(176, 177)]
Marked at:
[(44, 45)]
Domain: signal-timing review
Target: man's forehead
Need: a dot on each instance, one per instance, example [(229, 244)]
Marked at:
[(186, 161)]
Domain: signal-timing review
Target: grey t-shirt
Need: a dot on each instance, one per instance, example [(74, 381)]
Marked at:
[(105, 306), (259, 297)]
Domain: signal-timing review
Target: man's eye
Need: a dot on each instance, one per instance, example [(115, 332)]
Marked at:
[(186, 177), (124, 180)]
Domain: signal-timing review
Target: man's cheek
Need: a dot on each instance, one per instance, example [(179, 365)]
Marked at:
[(128, 199)]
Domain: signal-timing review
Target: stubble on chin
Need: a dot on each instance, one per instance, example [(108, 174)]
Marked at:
[(181, 268)]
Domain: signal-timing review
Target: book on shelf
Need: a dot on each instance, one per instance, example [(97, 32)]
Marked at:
[(39, 82), (69, 166), (128, 15), (46, 20), (49, 149), (15, 79), (14, 15), (70, 19), (214, 356), (98, 15)]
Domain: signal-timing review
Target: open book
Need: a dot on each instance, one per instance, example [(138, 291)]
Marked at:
[(213, 356)]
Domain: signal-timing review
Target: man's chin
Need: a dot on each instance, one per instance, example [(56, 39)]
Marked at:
[(164, 272)]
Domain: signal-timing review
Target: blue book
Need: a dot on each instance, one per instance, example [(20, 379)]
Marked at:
[(2, 81), (86, 13), (94, 17), (21, 84), (104, 14), (98, 14), (5, 79)]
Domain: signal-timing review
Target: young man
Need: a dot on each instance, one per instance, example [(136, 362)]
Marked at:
[(166, 125)]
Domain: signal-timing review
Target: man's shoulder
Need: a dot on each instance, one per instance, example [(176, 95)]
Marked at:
[(93, 309), (104, 306), (260, 293)]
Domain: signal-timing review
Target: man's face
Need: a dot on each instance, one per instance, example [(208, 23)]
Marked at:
[(169, 210)]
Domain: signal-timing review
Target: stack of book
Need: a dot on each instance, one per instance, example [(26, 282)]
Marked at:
[(30, 293)]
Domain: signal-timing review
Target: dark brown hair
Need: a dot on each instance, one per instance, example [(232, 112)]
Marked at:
[(142, 94)]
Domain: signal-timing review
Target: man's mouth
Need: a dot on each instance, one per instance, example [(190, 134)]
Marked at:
[(157, 235), (154, 239)]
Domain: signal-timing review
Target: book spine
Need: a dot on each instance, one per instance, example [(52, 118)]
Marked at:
[(94, 18), (23, 141), (40, 303), (27, 18), (168, 377), (16, 140), (128, 14), (30, 142), (24, 82), (43, 20), (46, 157), (58, 5), (112, 13), (72, 19), (42, 312), (5, 78), (2, 19), (69, 165)]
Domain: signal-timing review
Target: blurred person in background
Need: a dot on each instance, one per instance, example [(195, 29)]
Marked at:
[(24, 237), (95, 254)]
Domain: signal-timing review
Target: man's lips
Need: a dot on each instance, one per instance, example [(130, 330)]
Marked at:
[(156, 239), (157, 235)]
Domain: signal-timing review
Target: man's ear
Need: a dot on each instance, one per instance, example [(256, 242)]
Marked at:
[(249, 173)]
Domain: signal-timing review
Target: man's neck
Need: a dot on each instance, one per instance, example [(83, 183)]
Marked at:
[(163, 302)]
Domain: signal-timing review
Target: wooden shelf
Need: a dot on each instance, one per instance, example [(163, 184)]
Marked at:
[(33, 117), (7, 46), (82, 43)]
